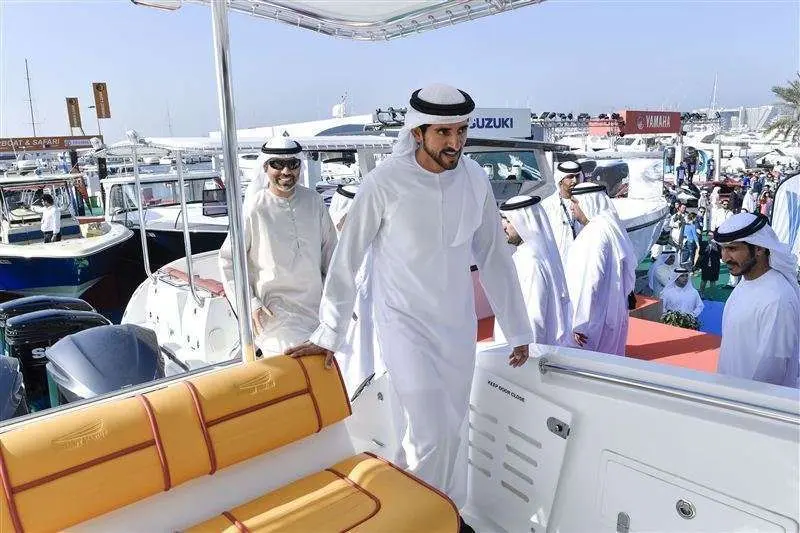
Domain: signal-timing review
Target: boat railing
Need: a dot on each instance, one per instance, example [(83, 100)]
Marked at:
[(142, 228), (187, 245), (546, 366)]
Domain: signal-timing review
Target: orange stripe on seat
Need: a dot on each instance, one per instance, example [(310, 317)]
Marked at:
[(262, 405), (311, 392), (212, 456), (9, 494), (240, 526), (83, 466), (363, 491), (162, 457)]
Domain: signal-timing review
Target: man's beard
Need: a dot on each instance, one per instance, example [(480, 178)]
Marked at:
[(745, 267), (446, 164), (514, 241), (277, 183)]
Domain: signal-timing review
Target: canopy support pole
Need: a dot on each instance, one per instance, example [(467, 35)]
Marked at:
[(222, 60)]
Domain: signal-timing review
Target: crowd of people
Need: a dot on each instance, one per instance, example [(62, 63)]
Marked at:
[(382, 280)]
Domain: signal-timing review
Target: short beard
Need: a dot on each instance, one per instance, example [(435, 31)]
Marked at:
[(515, 241), (747, 266), (438, 157)]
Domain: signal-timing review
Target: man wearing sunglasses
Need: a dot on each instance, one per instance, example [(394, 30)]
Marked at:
[(289, 239)]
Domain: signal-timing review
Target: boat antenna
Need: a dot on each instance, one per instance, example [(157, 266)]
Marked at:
[(713, 105), (30, 99), (169, 120)]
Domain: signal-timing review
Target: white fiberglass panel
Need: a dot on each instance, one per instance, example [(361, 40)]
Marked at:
[(517, 444)]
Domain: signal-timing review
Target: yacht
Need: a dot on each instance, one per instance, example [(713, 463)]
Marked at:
[(86, 253)]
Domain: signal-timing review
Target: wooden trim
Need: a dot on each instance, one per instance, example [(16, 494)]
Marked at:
[(162, 456), (418, 480), (8, 492), (235, 521), (311, 392), (262, 405), (352, 483), (83, 466), (198, 407)]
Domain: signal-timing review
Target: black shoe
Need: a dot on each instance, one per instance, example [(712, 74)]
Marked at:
[(463, 527)]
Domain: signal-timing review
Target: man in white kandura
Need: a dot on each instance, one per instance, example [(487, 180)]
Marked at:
[(539, 269), (564, 215), (660, 271), (680, 295), (600, 272), (424, 212), (358, 357), (761, 320), (289, 238)]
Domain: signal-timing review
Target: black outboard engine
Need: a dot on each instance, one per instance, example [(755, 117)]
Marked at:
[(12, 389), (20, 306), (28, 335), (102, 360)]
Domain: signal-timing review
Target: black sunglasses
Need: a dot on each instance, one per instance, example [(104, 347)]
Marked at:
[(280, 164)]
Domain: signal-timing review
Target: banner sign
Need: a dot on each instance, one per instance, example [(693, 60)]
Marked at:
[(42, 144), (500, 122), (101, 104), (73, 112), (650, 122)]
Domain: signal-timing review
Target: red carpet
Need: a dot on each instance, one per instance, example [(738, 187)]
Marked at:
[(653, 341)]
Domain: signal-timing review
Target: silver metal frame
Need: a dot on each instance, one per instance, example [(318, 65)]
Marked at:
[(546, 366), (142, 229), (222, 60), (187, 245), (423, 18)]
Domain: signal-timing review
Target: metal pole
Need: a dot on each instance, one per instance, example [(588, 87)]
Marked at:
[(187, 245), (142, 230), (219, 19), (30, 98)]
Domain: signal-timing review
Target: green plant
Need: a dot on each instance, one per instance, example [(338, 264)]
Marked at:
[(680, 320), (788, 126)]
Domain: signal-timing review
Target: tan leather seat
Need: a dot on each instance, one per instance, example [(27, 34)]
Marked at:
[(80, 464), (363, 493)]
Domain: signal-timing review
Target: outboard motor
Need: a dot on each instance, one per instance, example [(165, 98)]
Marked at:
[(20, 306), (28, 335), (12, 389), (102, 360)]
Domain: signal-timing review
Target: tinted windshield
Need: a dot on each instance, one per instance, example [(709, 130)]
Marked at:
[(159, 194), (517, 166)]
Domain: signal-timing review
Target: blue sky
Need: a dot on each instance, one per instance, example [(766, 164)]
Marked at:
[(563, 55)]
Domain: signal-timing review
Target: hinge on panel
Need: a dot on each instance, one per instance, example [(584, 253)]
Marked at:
[(558, 427)]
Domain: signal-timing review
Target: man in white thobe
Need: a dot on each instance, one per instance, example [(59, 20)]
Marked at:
[(601, 272), (680, 295), (761, 320), (541, 275), (289, 240), (658, 276), (358, 357), (560, 208), (424, 212)]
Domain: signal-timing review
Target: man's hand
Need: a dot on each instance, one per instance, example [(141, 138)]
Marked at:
[(260, 318), (580, 338), (309, 348), (577, 212), (518, 356)]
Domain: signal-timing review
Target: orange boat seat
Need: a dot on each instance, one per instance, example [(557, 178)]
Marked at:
[(83, 463), (363, 493)]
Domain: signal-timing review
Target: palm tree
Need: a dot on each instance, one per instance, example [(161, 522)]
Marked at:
[(788, 125)]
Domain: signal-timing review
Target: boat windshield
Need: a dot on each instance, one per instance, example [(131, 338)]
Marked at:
[(23, 202), (159, 194), (512, 165)]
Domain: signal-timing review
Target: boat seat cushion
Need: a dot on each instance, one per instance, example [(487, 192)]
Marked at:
[(363, 494), (82, 463)]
